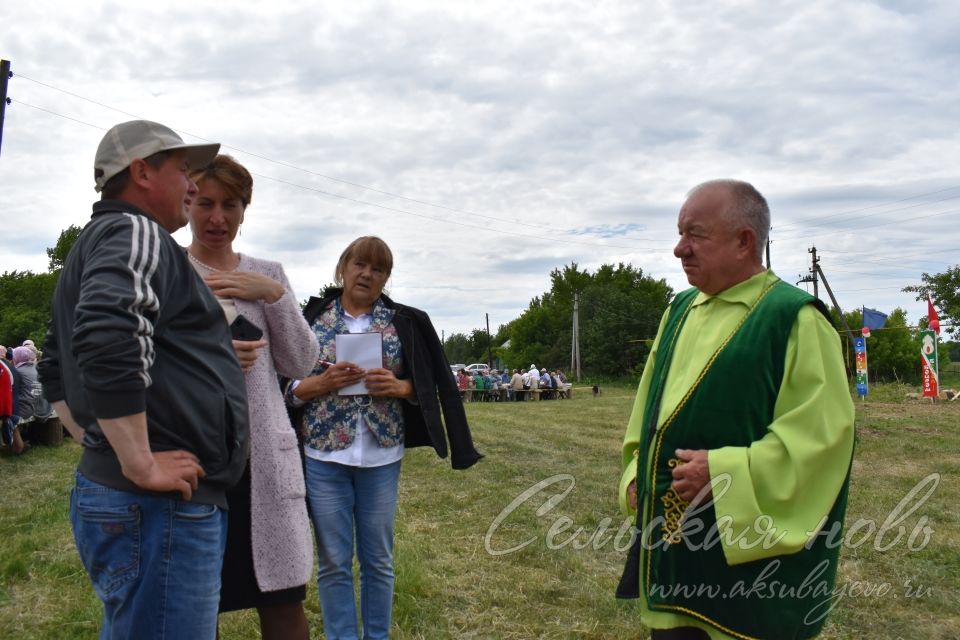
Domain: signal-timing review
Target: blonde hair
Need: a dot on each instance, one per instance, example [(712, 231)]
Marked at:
[(370, 249)]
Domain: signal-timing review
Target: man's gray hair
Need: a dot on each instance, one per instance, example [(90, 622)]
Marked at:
[(749, 208)]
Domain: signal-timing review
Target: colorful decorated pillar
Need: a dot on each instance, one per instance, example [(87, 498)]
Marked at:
[(860, 348)]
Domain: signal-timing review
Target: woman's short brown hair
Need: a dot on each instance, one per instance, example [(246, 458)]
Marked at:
[(370, 249), (231, 174)]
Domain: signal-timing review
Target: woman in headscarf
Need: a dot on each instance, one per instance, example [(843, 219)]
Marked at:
[(31, 403)]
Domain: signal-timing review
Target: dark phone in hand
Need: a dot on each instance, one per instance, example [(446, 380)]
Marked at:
[(243, 329)]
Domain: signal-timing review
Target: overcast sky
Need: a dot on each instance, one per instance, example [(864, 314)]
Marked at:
[(491, 142)]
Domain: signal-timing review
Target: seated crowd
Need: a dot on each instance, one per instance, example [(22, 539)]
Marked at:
[(500, 386), (21, 398)]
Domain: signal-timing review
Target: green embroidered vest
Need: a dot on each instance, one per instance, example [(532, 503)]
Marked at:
[(731, 404)]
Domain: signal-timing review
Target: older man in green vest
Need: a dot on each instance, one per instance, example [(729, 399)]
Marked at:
[(737, 454)]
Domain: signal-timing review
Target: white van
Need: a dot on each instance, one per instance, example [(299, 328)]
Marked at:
[(477, 367)]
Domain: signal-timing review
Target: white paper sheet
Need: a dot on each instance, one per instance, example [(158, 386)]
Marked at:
[(362, 349)]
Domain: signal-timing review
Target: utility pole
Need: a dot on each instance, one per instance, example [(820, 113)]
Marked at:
[(575, 346), (814, 268), (836, 304), (489, 352), (816, 274), (5, 74)]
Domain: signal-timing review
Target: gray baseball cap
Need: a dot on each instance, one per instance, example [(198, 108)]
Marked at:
[(128, 141)]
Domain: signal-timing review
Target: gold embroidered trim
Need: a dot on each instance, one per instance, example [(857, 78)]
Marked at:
[(700, 616), (674, 508)]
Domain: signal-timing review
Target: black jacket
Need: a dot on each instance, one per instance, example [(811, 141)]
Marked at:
[(427, 366), (135, 329)]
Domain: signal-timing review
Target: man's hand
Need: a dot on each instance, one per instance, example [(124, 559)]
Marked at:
[(692, 475), (632, 494), (245, 285), (246, 351), (155, 471), (170, 471)]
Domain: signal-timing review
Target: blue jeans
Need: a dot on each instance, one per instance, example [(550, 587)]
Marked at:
[(342, 500), (154, 561)]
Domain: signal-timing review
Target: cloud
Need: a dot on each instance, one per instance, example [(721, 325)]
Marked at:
[(490, 143)]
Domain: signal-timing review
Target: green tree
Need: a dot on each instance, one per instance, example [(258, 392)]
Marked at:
[(58, 252), (944, 289), (457, 347), (25, 306), (479, 341), (501, 353), (953, 350), (893, 353), (25, 296), (535, 334), (619, 308)]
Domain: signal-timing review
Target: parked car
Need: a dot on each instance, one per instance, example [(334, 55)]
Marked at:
[(477, 367), (455, 368)]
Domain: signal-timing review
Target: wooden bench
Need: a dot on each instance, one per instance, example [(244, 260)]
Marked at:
[(47, 431)]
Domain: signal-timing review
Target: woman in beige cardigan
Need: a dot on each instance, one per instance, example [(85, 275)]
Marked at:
[(269, 552)]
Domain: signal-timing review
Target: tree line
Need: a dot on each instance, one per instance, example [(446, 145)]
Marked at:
[(619, 311), (25, 296)]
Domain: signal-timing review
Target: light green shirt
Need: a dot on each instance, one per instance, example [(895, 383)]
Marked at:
[(794, 473)]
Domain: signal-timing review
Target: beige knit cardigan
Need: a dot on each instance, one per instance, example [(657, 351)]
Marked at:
[(280, 529)]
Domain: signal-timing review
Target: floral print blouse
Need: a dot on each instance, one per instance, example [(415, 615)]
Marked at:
[(331, 420)]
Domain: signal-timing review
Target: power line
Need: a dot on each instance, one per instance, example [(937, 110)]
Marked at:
[(20, 76), (872, 224), (59, 115), (322, 175), (881, 260), (884, 263), (874, 206), (828, 218), (395, 209), (875, 276), (869, 289)]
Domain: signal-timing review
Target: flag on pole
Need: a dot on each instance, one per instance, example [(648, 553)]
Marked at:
[(873, 319), (932, 320)]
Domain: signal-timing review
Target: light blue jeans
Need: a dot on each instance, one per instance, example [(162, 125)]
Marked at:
[(344, 500), (154, 561)]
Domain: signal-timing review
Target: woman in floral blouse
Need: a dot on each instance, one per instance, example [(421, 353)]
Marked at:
[(355, 443)]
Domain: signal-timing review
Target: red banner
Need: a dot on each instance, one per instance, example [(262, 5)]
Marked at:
[(928, 357)]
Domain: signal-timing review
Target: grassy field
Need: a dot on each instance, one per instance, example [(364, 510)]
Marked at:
[(468, 566)]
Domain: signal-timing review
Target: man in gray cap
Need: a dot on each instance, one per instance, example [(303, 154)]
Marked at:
[(139, 365)]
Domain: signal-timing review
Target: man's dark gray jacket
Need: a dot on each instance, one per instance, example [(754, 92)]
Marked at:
[(135, 329)]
